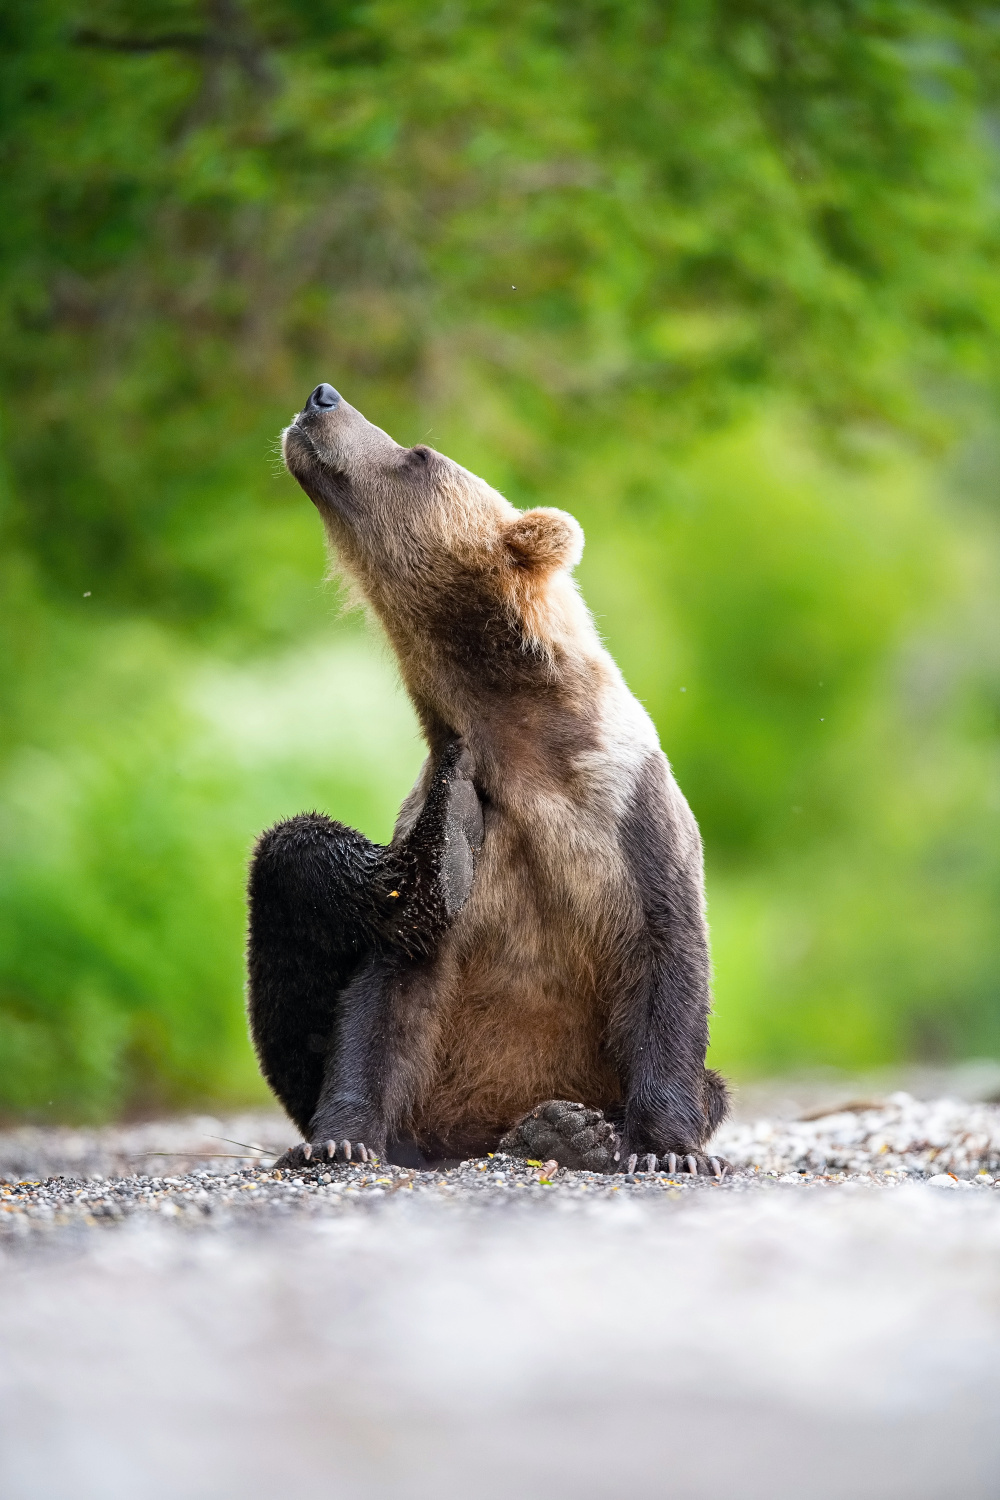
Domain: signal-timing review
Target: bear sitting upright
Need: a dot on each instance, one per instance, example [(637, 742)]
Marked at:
[(525, 967)]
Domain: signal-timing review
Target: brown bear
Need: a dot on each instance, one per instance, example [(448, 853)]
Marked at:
[(525, 967)]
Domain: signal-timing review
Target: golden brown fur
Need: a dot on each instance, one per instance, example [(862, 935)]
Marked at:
[(495, 644)]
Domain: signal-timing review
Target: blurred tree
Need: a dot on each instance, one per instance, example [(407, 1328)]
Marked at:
[(602, 207), (718, 275)]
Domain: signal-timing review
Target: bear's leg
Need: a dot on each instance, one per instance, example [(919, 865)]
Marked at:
[(373, 1064), (348, 1121), (339, 929), (309, 928), (659, 1023)]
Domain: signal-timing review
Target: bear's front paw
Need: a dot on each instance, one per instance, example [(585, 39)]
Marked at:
[(322, 1153), (568, 1133)]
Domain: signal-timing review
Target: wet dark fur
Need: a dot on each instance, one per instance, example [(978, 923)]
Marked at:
[(338, 928)]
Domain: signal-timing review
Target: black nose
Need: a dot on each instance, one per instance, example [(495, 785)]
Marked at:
[(323, 398)]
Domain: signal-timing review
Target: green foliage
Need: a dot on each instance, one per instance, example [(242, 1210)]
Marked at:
[(716, 275)]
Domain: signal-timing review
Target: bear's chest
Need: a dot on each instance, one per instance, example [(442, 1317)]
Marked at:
[(526, 985), (550, 899)]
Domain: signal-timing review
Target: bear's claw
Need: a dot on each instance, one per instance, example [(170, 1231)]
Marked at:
[(317, 1155), (694, 1164), (688, 1165)]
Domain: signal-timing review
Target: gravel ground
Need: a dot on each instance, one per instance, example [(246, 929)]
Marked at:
[(823, 1323)]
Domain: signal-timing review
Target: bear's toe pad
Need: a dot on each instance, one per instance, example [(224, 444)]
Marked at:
[(568, 1133), (583, 1140)]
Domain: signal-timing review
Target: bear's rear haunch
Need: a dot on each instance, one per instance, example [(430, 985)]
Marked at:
[(525, 966)]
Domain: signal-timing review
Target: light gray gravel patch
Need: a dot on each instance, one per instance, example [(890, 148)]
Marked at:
[(89, 1178), (165, 1147), (358, 1332), (899, 1136)]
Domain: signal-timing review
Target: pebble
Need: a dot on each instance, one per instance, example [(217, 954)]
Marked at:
[(54, 1179), (923, 1139)]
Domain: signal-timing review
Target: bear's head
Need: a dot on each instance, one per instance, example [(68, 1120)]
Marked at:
[(470, 590)]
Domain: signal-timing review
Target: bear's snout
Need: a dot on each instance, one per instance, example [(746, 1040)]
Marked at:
[(323, 398)]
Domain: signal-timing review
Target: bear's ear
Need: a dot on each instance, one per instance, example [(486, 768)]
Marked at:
[(544, 539)]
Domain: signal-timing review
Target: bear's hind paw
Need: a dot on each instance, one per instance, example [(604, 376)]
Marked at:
[(574, 1136)]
